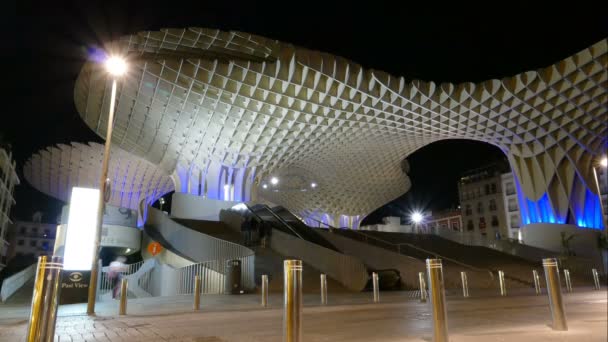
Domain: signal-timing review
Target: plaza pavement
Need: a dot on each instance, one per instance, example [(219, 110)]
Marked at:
[(399, 316)]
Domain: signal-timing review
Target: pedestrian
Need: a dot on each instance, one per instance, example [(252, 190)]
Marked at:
[(115, 274)]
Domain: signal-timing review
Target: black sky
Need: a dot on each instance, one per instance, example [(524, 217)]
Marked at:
[(428, 41)]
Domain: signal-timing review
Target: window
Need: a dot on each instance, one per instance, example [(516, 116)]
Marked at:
[(492, 205), (468, 210), (455, 226), (480, 208), (22, 230), (47, 232), (493, 188), (20, 243), (494, 221), (514, 221), (482, 223), (45, 245), (470, 225), (487, 189), (33, 243), (512, 204), (34, 230)]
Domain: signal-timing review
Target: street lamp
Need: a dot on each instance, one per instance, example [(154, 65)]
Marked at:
[(161, 201), (417, 218), (274, 181), (116, 66)]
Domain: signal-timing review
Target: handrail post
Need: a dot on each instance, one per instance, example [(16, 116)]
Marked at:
[(465, 284), (596, 279), (554, 291), (292, 288), (197, 292), (440, 317), (501, 280), (422, 284), (568, 280), (122, 310), (536, 281), (45, 300), (264, 290), (323, 289), (375, 287)]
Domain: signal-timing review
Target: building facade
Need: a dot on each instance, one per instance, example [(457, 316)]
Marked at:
[(445, 220), (31, 239), (482, 203), (511, 205), (8, 180)]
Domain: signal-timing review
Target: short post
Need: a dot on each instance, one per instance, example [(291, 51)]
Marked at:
[(292, 314), (596, 279), (376, 287), (197, 292), (568, 281), (536, 281), (124, 283), (45, 300), (440, 316), (554, 290), (503, 286), (465, 284), (422, 283), (264, 290), (323, 289)]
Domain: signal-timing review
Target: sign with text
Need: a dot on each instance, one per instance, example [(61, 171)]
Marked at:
[(74, 286), (154, 248)]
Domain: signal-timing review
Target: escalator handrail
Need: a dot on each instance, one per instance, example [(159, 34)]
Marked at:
[(276, 217)]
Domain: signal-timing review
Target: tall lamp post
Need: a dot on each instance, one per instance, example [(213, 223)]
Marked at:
[(116, 67)]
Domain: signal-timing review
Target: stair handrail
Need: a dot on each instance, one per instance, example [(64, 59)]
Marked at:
[(436, 255), (280, 219)]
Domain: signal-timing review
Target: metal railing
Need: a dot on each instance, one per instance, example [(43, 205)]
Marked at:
[(213, 276), (107, 280)]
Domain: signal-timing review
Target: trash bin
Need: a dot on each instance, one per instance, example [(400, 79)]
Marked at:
[(233, 277)]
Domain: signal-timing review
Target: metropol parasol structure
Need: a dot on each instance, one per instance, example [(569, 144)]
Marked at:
[(237, 117)]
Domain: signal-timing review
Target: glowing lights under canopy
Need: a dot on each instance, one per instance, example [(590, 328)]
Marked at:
[(274, 181), (80, 235), (604, 162), (116, 66)]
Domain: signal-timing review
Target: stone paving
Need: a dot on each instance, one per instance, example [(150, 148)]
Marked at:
[(399, 317)]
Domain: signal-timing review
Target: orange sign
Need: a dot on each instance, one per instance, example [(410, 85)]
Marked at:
[(154, 248)]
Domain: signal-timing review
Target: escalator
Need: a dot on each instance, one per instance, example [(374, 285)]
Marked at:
[(283, 220)]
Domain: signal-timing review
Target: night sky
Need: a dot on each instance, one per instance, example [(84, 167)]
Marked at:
[(430, 43)]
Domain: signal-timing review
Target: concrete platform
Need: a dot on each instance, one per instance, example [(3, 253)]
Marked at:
[(519, 317)]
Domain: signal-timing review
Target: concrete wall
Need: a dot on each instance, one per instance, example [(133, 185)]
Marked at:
[(13, 283), (193, 207), (347, 270), (548, 236)]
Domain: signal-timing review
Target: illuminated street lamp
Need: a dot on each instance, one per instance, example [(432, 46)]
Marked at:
[(116, 67), (417, 218), (274, 181)]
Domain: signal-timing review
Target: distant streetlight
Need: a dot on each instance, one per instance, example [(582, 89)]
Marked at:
[(265, 186), (313, 185), (417, 217), (274, 181), (604, 162), (116, 66), (161, 201)]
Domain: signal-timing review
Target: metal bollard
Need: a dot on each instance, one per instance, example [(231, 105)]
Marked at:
[(422, 283), (292, 315), (124, 284), (440, 316), (323, 289), (465, 284), (45, 299), (264, 290), (376, 287), (554, 290), (197, 292), (568, 281), (503, 286), (536, 281), (596, 279)]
